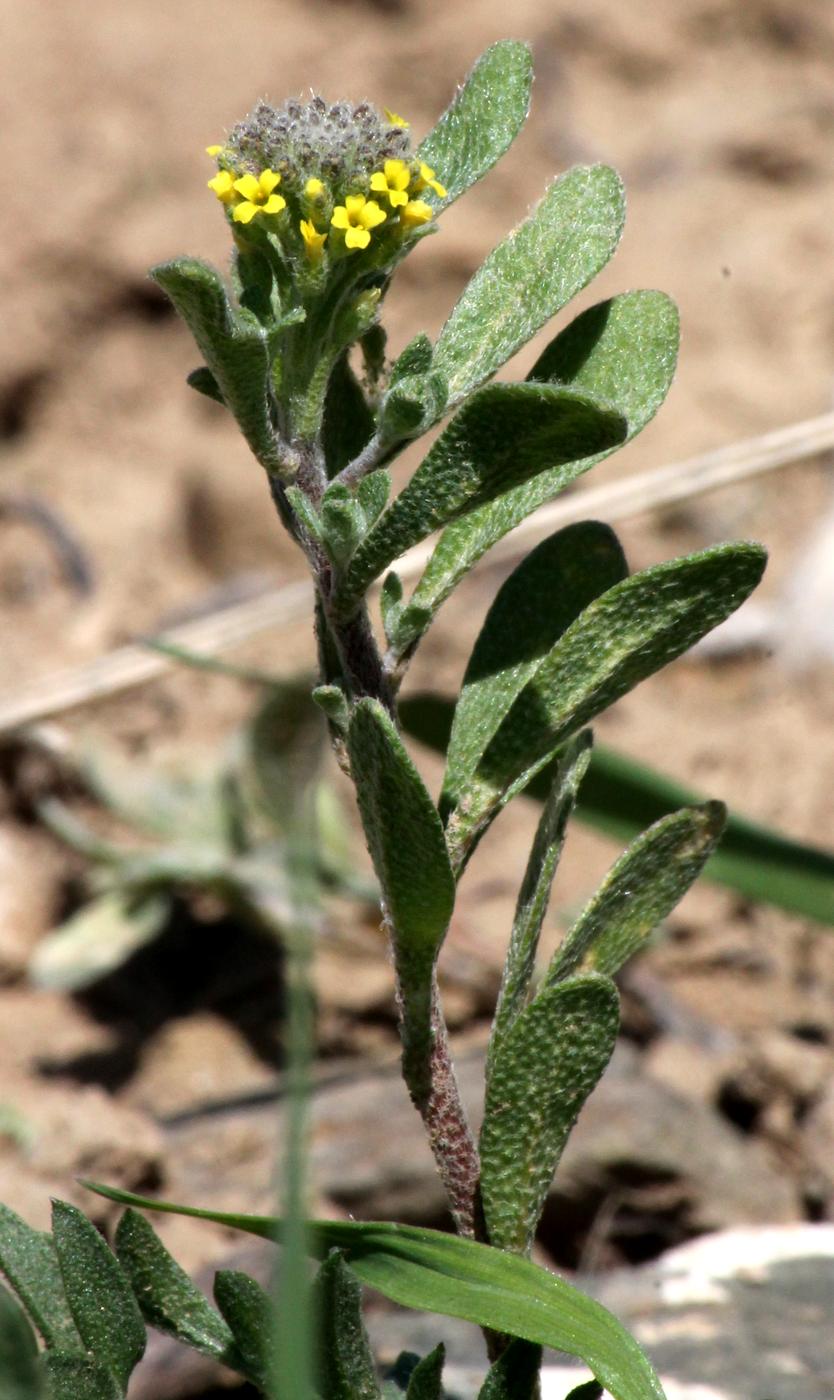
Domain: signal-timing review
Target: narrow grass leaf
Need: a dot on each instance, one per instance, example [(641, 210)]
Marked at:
[(627, 634), (167, 1298), (30, 1263), (542, 1071), (639, 891), (623, 353), (534, 894), (235, 349), (408, 848), (445, 1274), (502, 436), (100, 1298), (551, 256), (543, 595), (481, 122), (344, 1358), (20, 1368)]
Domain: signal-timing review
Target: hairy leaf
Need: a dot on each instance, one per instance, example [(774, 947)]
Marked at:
[(622, 352), (235, 349), (542, 1071), (100, 1298), (169, 1301), (20, 1370), (30, 1263), (628, 633), (534, 894), (534, 606), (515, 1375), (345, 1362), (435, 1272), (544, 262), (483, 119), (250, 1313), (502, 436), (348, 420), (78, 1378), (640, 890), (405, 838), (426, 1381)]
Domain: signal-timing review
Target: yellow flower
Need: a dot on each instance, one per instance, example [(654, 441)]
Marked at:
[(313, 240), (426, 177), (416, 212), (257, 196), (213, 150), (223, 185), (357, 216), (313, 189), (393, 183), (394, 120)]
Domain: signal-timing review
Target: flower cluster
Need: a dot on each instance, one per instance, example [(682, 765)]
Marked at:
[(327, 181)]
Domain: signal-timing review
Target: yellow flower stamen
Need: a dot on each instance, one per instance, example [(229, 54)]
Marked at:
[(313, 240), (314, 189), (257, 196), (356, 217), (393, 182), (427, 178), (416, 212), (394, 120), (223, 185)]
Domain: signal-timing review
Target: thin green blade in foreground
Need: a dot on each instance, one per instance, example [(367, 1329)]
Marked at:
[(627, 634), (544, 262), (543, 595), (542, 1071), (101, 1300), (433, 1272), (623, 353), (640, 890), (482, 121), (504, 435)]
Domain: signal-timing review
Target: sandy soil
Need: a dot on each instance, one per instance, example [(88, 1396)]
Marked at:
[(720, 116)]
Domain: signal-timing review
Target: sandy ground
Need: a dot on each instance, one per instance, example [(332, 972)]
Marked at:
[(720, 117)]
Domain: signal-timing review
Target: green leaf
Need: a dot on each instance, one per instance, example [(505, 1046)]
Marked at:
[(78, 1378), (105, 1311), (544, 262), (589, 1390), (515, 1375), (405, 838), (621, 352), (639, 891), (412, 404), (205, 383), (342, 523), (621, 796), (628, 633), (235, 349), (426, 1380), (286, 742), (348, 420), (250, 1313), (29, 1261), (20, 1370), (446, 1274), (345, 1362), (482, 121), (372, 495), (504, 435), (540, 599), (534, 895), (168, 1300), (414, 359), (543, 1070), (101, 936)]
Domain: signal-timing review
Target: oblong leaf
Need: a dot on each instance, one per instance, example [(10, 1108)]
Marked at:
[(426, 1380), (639, 891), (30, 1263), (408, 848), (446, 1274), (542, 1071), (502, 436), (345, 1362), (622, 351), (544, 262), (100, 1298), (482, 120), (168, 1300), (250, 1313), (627, 634), (236, 351), (20, 1369), (515, 1375), (543, 595), (79, 1378)]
